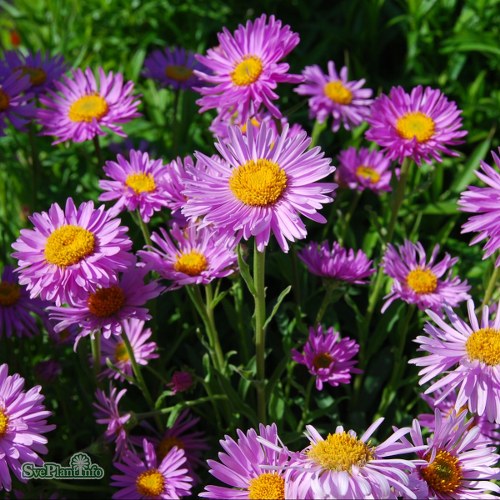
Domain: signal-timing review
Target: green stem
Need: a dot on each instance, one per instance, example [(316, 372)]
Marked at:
[(327, 299), (316, 132), (259, 264), (95, 345), (214, 335), (170, 409), (307, 400), (98, 152), (144, 229), (349, 214), (491, 286)]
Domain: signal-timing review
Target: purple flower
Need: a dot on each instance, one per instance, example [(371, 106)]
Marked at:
[(16, 307), (107, 307), (42, 70), (178, 172), (114, 349), (82, 108), (181, 381), (150, 477), (420, 125), (467, 357), (15, 105), (138, 184), (262, 185), (459, 464), (364, 169), (332, 94), (22, 425), (193, 255), (337, 263), (245, 67), (250, 469), (328, 357), (71, 251), (484, 201), (172, 68), (422, 283)]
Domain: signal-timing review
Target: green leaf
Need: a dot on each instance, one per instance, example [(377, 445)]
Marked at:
[(282, 295), (245, 272)]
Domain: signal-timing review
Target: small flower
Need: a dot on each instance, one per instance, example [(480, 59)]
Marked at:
[(17, 308), (333, 94), (15, 106), (22, 425), (467, 355), (337, 263), (107, 413), (458, 465), (250, 469), (82, 108), (245, 67), (172, 68), (151, 477), (138, 184), (263, 185), (420, 125), (114, 348), (364, 169), (328, 357), (422, 283), (484, 201), (107, 307), (71, 251), (194, 255), (42, 70), (181, 381)]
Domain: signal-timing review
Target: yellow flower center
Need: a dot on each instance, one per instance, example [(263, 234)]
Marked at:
[(166, 444), (338, 92), (484, 345), (422, 281), (415, 124), (88, 108), (121, 353), (4, 420), (369, 173), (323, 360), (68, 245), (178, 73), (9, 293), (37, 75), (191, 263), (339, 452), (4, 101), (141, 182), (150, 483), (247, 71), (253, 121), (268, 485), (105, 302), (258, 183), (444, 474)]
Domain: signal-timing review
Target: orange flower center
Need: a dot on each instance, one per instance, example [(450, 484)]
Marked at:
[(121, 353), (323, 360), (166, 444), (192, 263), (68, 245), (37, 75), (9, 293), (4, 421), (141, 182), (484, 345), (247, 71), (422, 281), (338, 92), (105, 302), (88, 108), (444, 474), (178, 73), (369, 173), (415, 125), (150, 483), (4, 100), (269, 485)]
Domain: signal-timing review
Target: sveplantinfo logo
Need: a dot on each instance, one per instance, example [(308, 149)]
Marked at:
[(80, 467)]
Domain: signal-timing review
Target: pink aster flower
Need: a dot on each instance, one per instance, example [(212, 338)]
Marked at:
[(420, 125), (181, 381), (345, 466), (138, 184), (15, 105), (114, 349), (245, 67), (336, 263), (82, 108), (250, 469), (107, 307), (459, 465), (333, 94), (193, 255), (172, 68), (423, 283), (42, 70), (178, 172), (22, 425), (328, 357), (71, 251), (107, 413), (152, 477), (467, 357), (263, 185), (484, 201), (364, 169), (17, 308)]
